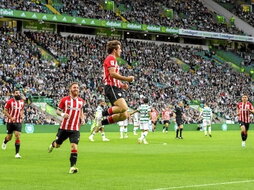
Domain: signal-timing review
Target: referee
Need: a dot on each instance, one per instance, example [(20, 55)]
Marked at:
[(179, 109)]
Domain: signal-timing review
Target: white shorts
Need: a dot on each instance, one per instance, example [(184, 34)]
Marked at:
[(123, 123), (136, 123), (144, 126), (206, 123)]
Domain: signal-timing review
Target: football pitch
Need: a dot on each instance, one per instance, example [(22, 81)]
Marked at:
[(196, 162)]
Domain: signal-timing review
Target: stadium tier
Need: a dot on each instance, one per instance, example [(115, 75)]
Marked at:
[(159, 77), (173, 13)]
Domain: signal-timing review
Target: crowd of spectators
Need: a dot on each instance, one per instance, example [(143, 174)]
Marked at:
[(87, 9), (186, 14), (158, 76), (247, 16), (32, 115), (27, 5)]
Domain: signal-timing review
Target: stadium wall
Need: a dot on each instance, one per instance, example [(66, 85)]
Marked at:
[(115, 128)]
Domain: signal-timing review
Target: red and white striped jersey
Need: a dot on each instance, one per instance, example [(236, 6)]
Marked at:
[(166, 114), (154, 115), (73, 107), (110, 61), (14, 108), (243, 111)]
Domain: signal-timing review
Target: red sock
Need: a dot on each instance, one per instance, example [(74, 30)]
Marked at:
[(110, 119), (110, 111)]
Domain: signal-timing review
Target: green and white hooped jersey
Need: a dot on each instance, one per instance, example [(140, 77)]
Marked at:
[(207, 113), (144, 110), (99, 110)]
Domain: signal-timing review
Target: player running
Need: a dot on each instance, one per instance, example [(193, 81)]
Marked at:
[(145, 115), (166, 119), (100, 129), (136, 122), (14, 113), (154, 118), (123, 126), (71, 109), (244, 109)]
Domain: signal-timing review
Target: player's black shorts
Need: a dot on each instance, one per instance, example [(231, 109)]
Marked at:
[(113, 93), (62, 135), (247, 125), (13, 127), (179, 122), (166, 121), (154, 122)]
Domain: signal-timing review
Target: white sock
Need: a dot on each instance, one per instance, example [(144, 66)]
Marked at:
[(205, 130), (102, 134), (135, 129), (209, 130), (142, 136)]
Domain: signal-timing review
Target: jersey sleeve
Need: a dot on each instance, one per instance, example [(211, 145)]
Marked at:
[(251, 107), (23, 105), (62, 104), (111, 62), (238, 106), (8, 105)]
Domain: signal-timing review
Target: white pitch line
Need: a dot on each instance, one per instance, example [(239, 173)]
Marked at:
[(204, 185)]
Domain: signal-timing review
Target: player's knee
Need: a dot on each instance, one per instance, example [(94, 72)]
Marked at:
[(74, 146), (124, 115), (17, 136), (9, 137), (123, 109)]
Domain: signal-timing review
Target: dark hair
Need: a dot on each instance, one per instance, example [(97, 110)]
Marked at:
[(145, 100), (15, 89), (111, 45), (73, 84)]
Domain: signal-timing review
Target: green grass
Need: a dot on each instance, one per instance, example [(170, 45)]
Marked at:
[(123, 164)]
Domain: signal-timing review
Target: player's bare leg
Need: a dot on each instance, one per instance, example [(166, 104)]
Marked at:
[(116, 113), (17, 143), (6, 140), (73, 158), (143, 136), (244, 135), (52, 146)]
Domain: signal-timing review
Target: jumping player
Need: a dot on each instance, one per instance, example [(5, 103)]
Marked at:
[(114, 87)]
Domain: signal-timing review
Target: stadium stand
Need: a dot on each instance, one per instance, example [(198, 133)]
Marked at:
[(158, 75), (27, 5), (236, 7), (184, 14)]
